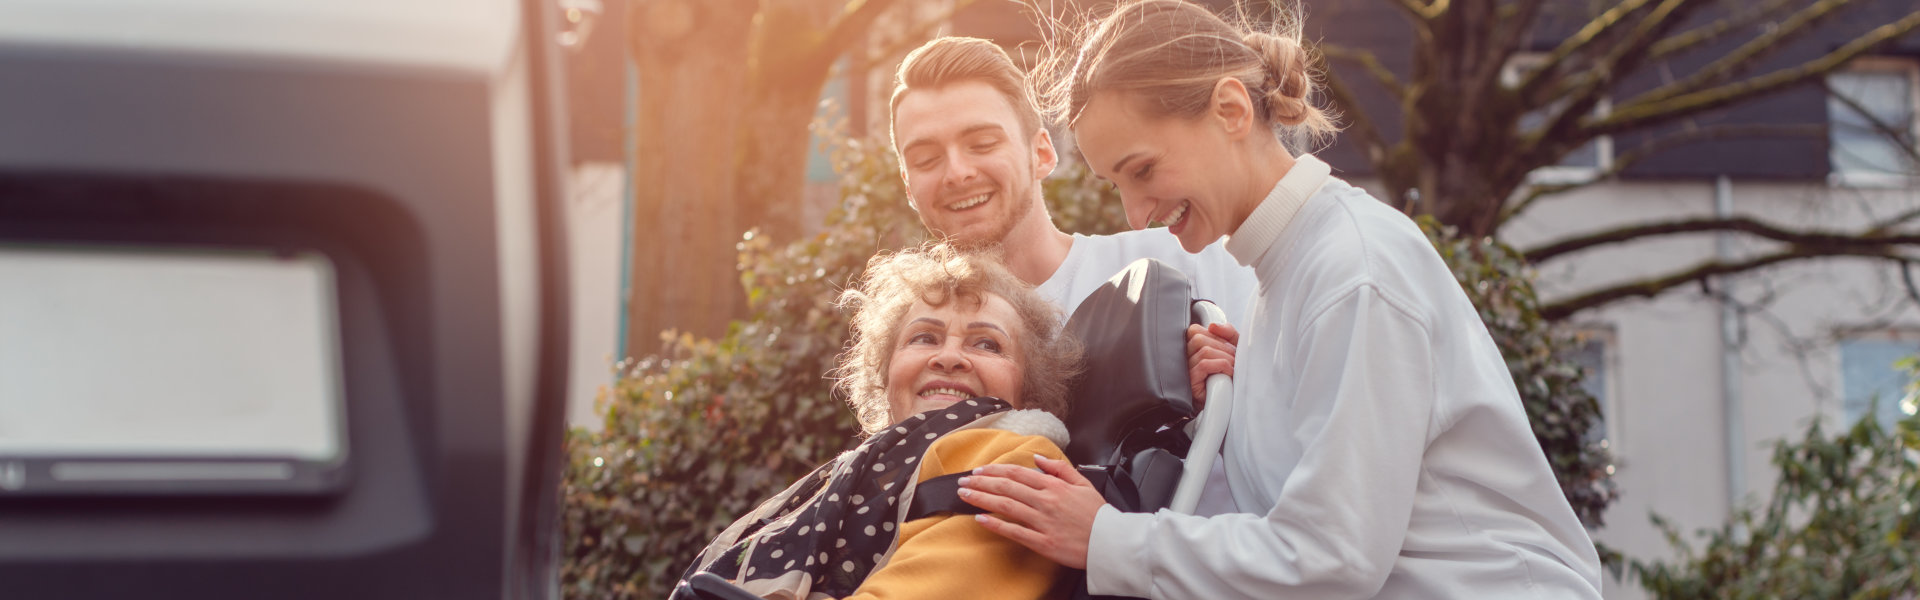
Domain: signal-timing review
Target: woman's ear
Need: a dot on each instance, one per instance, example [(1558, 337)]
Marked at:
[(1232, 106)]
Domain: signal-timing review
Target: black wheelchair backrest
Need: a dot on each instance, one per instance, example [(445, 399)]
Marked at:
[(1134, 330)]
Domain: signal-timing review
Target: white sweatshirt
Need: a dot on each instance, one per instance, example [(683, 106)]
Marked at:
[(1375, 427), (1094, 259)]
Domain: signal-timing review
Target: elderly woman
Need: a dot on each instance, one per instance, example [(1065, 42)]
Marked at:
[(955, 364)]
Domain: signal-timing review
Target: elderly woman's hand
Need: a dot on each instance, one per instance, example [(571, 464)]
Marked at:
[(1049, 511)]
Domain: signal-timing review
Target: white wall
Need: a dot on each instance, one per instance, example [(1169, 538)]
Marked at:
[(1667, 415), (595, 214)]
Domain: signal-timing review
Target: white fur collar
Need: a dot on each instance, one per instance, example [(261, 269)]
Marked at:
[(1032, 422)]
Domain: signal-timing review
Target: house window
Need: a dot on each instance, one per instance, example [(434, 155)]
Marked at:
[(1581, 164), (1593, 353), (1871, 127), (1870, 381)]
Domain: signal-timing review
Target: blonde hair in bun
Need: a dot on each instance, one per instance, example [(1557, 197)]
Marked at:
[(1289, 83), (1168, 54)]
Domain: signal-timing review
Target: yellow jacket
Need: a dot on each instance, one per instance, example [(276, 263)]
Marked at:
[(952, 556)]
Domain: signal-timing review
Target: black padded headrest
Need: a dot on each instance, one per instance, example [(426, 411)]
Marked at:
[(1134, 328)]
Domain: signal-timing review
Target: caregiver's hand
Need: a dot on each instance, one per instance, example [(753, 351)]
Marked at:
[(1049, 511), (1210, 350)]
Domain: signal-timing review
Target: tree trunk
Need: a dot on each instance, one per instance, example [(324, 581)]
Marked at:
[(1469, 203), (691, 56), (773, 159), (790, 65)]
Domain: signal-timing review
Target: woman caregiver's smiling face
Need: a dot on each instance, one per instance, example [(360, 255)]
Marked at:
[(1181, 172)]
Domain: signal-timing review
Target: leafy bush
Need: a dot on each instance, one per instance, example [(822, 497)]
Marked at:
[(1841, 524), (697, 434), (1079, 203)]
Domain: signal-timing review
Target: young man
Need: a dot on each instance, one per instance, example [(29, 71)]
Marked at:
[(973, 153)]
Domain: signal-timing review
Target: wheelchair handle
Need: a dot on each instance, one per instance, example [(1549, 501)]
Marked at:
[(1209, 428)]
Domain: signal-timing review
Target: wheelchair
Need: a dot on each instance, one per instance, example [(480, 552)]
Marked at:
[(1135, 432)]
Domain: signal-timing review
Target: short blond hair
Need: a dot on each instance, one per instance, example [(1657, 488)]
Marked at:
[(938, 274), (949, 60)]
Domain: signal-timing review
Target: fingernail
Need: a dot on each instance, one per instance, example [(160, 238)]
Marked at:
[(980, 518), (1037, 458), (964, 492), (964, 480)]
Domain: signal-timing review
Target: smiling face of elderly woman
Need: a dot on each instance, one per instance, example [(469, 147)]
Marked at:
[(936, 325), (962, 349)]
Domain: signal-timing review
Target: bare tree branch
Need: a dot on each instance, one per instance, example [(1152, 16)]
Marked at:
[(1881, 228), (1638, 113), (1367, 60), (849, 29), (1563, 130), (1737, 61), (1902, 137), (918, 34), (1358, 123), (1511, 29), (1489, 33), (1597, 28), (1829, 240), (1422, 11), (1692, 38), (1458, 159), (1649, 288), (1906, 277), (1626, 160)]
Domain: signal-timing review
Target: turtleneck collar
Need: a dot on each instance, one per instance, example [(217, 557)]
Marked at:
[(1262, 228)]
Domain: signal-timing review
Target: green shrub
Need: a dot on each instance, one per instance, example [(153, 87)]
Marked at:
[(697, 434), (1840, 524), (1079, 203)]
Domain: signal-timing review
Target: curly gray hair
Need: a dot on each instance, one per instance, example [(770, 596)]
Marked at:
[(936, 274)]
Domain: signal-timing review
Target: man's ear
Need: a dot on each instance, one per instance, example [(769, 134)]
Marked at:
[(1045, 158), (1232, 106)]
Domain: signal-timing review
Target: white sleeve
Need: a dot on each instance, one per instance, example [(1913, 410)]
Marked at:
[(1361, 408)]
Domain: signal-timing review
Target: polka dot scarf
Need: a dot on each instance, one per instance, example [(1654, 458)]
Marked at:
[(826, 532)]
